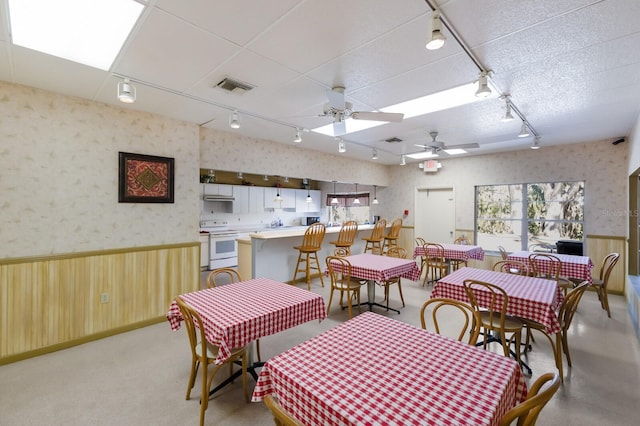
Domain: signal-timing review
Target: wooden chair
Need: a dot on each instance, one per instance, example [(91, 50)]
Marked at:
[(470, 326), (420, 242), (493, 314), (553, 267), (437, 266), (457, 263), (401, 253), (342, 282), (281, 417), (229, 276), (565, 314), (341, 252), (527, 412), (374, 241), (203, 352), (503, 253), (512, 267), (232, 276), (308, 252), (600, 283), (346, 236), (391, 239)]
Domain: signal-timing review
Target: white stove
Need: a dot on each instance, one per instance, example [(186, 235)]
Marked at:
[(223, 247)]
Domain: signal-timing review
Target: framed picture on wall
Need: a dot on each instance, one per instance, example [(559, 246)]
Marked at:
[(145, 178)]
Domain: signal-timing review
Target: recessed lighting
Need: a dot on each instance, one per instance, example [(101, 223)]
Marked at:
[(422, 155)]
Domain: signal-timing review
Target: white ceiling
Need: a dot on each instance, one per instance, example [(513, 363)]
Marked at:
[(572, 67)]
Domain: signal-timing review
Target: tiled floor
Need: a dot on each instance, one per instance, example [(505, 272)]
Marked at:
[(140, 377)]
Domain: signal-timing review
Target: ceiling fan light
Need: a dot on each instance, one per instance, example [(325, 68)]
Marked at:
[(483, 86), (126, 92), (437, 39), (234, 123), (524, 131)]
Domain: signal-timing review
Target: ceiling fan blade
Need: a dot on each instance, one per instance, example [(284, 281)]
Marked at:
[(462, 146), (336, 99), (339, 128), (394, 117), (422, 146)]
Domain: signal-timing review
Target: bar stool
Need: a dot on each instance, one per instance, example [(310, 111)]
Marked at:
[(374, 241), (391, 239), (346, 236), (308, 252)]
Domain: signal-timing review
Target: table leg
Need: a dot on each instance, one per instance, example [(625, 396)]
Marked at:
[(371, 297), (251, 369)]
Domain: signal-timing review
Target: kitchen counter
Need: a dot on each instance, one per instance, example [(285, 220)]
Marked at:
[(295, 231)]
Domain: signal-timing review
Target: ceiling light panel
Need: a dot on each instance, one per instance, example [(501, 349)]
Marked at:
[(90, 32)]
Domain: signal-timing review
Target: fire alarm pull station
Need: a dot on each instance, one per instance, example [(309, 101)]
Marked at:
[(406, 212)]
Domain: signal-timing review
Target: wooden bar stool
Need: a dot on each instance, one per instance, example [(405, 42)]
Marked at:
[(308, 252), (374, 241), (391, 239), (346, 236)]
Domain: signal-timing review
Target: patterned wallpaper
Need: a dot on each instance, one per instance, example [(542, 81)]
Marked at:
[(59, 175)]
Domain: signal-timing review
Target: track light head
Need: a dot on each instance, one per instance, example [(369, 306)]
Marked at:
[(298, 137), (234, 123), (126, 92), (341, 146), (403, 160), (374, 154), (536, 143), (483, 86), (507, 111), (524, 130), (437, 37)]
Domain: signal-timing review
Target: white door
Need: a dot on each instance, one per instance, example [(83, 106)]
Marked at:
[(435, 215)]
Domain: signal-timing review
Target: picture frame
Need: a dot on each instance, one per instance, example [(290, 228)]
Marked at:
[(145, 178)]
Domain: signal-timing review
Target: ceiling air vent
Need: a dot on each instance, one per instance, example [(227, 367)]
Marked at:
[(235, 86), (393, 140)]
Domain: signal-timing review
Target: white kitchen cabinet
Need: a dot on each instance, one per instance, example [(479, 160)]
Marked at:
[(217, 189), (288, 196), (241, 199), (204, 251), (301, 201), (256, 199)]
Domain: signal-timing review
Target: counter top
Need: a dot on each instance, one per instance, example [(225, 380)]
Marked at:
[(296, 231)]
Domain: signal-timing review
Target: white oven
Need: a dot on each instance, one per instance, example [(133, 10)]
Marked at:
[(223, 247)]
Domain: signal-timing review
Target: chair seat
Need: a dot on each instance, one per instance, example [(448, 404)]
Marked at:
[(351, 285), (510, 323), (307, 249)]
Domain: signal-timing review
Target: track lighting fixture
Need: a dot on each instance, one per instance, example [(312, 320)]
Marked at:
[(403, 160), (356, 200), (437, 38), (334, 200), (126, 92), (286, 179), (375, 195), (234, 123), (265, 178), (240, 175), (507, 110), (341, 146), (298, 137), (483, 86), (524, 131), (536, 143), (374, 154)]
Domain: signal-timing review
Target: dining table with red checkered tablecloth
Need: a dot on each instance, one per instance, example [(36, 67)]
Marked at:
[(532, 298), (462, 252), (578, 267), (236, 314), (374, 370)]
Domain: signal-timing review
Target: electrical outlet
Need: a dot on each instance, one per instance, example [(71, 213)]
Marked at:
[(104, 298)]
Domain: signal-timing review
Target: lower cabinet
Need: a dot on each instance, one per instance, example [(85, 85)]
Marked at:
[(204, 251)]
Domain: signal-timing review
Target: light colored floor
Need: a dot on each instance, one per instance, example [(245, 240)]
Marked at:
[(140, 377)]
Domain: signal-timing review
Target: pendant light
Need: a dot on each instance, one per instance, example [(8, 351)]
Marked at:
[(375, 195), (334, 200), (278, 197), (357, 200), (309, 199)]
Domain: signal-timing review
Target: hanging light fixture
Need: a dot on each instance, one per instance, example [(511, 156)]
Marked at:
[(234, 122), (298, 136), (375, 195), (403, 160), (483, 85), (309, 199), (126, 92), (536, 143), (357, 200), (341, 146), (437, 39), (374, 154), (524, 131), (278, 197), (334, 200), (507, 110)]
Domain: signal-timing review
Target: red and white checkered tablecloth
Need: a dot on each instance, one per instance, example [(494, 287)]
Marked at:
[(374, 370), (367, 266), (236, 314), (532, 298), (455, 251), (572, 266)]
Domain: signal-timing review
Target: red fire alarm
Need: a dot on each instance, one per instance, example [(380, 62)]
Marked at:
[(406, 212)]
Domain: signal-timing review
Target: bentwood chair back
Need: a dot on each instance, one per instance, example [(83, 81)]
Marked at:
[(512, 267), (374, 241), (205, 353), (457, 263), (468, 324), (491, 302), (341, 280), (437, 266), (601, 283), (281, 417), (346, 236), (400, 253), (420, 242), (308, 253), (391, 239), (544, 265), (228, 275), (527, 412), (503, 253)]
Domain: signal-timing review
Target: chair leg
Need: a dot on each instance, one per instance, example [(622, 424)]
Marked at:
[(315, 256), (308, 272), (349, 304), (258, 350), (330, 299), (297, 268), (400, 290), (565, 346), (605, 302), (192, 377)]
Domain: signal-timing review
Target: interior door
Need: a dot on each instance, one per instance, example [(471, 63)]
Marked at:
[(435, 214)]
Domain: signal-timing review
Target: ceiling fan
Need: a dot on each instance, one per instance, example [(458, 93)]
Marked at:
[(436, 146), (340, 110)]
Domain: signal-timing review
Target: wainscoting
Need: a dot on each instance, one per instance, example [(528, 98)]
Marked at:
[(52, 302)]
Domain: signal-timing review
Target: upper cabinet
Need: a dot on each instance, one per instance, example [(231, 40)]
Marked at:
[(256, 199), (217, 189), (288, 196), (241, 199), (301, 201)]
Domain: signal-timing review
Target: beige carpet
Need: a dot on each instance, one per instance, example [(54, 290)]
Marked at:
[(140, 377)]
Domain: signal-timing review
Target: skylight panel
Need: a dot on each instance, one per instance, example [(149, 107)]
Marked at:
[(90, 32)]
